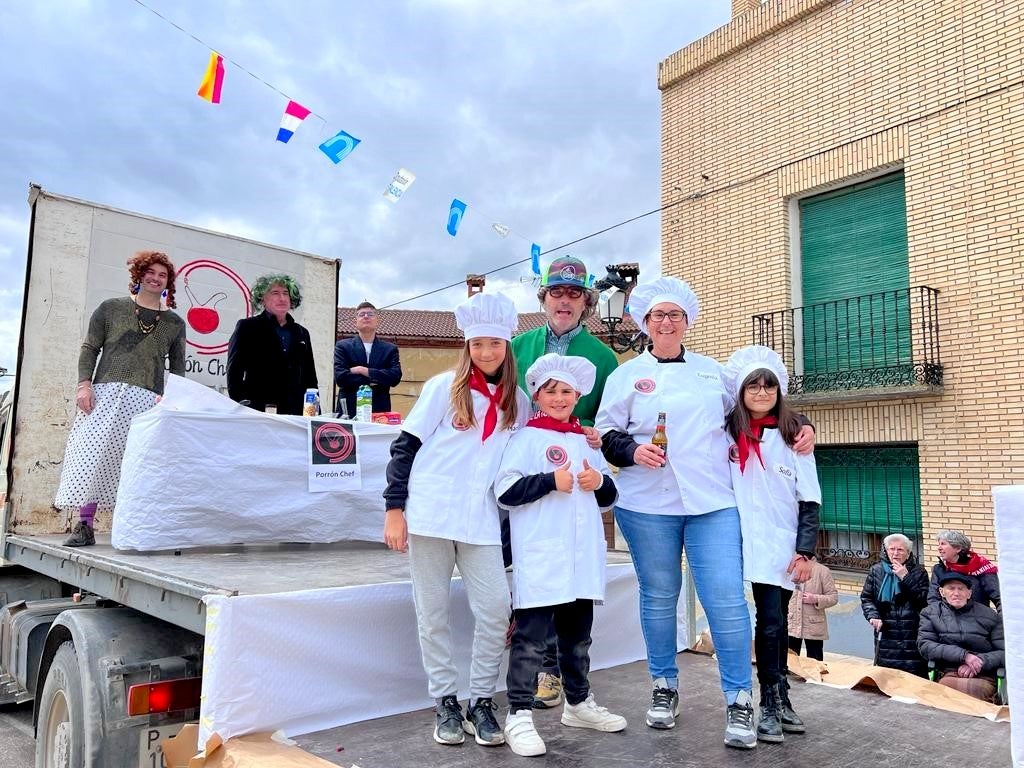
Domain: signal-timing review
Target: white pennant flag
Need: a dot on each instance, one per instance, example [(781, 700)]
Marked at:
[(501, 229), (401, 181)]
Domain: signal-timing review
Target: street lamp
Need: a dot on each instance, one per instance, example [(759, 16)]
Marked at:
[(611, 306)]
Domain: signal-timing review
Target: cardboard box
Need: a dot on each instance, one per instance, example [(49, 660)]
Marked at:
[(257, 750)]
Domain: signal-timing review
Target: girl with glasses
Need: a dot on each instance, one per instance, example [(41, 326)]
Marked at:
[(779, 501)]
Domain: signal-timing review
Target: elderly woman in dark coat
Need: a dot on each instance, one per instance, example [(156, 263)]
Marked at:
[(963, 637), (956, 555), (894, 593)]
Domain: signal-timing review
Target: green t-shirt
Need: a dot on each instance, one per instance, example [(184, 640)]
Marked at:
[(527, 347)]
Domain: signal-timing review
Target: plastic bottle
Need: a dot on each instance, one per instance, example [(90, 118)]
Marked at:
[(364, 403), (311, 403)]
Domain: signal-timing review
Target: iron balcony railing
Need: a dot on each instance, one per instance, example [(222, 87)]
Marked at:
[(880, 340)]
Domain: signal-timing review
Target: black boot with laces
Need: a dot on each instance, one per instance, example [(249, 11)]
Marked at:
[(769, 723), (791, 722)]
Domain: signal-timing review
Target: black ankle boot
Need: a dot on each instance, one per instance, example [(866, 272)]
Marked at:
[(791, 722), (81, 536), (769, 724)]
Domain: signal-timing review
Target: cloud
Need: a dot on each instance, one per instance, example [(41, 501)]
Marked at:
[(543, 117)]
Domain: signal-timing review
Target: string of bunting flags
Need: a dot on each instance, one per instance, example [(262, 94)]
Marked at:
[(337, 147)]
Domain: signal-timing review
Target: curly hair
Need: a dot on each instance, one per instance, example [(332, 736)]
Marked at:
[(262, 285), (143, 260)]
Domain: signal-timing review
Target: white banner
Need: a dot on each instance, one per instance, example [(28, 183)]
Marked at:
[(333, 451), (401, 181)]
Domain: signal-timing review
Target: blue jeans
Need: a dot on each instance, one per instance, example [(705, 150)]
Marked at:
[(715, 557)]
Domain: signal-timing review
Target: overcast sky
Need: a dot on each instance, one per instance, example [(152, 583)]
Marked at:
[(541, 116)]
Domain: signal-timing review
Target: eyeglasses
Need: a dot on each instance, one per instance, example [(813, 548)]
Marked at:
[(753, 389), (676, 315), (560, 291), (368, 313)]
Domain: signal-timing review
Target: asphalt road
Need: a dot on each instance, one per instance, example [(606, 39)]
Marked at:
[(17, 745)]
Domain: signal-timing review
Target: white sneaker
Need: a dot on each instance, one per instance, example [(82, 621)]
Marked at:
[(520, 735), (587, 714)]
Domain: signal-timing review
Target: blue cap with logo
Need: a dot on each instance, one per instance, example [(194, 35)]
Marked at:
[(567, 270)]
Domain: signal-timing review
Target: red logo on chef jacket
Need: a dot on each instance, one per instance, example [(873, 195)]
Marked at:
[(556, 455), (333, 443), (214, 292), (458, 426), (644, 385), (734, 454)]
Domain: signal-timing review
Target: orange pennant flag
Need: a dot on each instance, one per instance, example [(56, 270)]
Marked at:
[(213, 80)]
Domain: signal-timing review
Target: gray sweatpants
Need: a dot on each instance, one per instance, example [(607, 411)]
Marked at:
[(432, 563)]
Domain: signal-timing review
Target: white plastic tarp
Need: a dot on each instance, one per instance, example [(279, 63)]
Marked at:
[(305, 661), (200, 470), (1009, 505)]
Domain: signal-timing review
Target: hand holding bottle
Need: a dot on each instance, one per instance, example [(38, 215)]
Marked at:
[(648, 455)]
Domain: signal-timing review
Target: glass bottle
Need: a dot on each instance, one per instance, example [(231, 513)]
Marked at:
[(660, 438)]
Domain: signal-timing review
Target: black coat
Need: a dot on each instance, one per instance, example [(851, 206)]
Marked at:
[(948, 634), (385, 372), (260, 371), (896, 644), (984, 588)]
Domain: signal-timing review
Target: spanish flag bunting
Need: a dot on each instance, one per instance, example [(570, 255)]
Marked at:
[(213, 80)]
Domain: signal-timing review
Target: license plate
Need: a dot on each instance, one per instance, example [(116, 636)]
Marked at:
[(151, 754)]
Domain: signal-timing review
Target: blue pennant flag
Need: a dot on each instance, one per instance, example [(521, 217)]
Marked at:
[(535, 258), (340, 146), (455, 214)]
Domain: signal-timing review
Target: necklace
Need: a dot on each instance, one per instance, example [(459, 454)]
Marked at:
[(144, 327)]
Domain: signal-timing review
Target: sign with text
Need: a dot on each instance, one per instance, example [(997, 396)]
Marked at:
[(333, 457)]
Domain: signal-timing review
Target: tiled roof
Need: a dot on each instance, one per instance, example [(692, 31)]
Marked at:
[(417, 325)]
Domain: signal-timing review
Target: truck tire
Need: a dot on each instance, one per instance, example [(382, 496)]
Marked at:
[(60, 733)]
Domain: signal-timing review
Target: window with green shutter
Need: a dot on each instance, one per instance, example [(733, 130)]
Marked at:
[(855, 278), (868, 492)]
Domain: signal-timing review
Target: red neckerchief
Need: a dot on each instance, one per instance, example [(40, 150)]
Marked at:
[(478, 382), (747, 443), (976, 565), (543, 421)]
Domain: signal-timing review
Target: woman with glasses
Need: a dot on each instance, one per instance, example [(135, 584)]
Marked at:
[(894, 594), (682, 500)]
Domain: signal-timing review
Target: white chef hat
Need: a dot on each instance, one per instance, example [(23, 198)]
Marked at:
[(647, 295), (578, 372), (487, 314), (749, 359)]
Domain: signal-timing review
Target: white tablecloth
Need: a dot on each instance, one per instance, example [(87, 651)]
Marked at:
[(305, 661), (200, 470)]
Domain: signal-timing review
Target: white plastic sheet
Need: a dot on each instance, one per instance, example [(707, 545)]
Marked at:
[(200, 470), (305, 661), (1009, 505)]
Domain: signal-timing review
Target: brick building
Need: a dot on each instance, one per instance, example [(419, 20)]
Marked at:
[(843, 180)]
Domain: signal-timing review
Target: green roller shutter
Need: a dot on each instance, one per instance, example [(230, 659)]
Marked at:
[(870, 489), (855, 276)]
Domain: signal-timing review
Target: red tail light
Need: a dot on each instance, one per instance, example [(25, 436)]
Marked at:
[(164, 696)]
